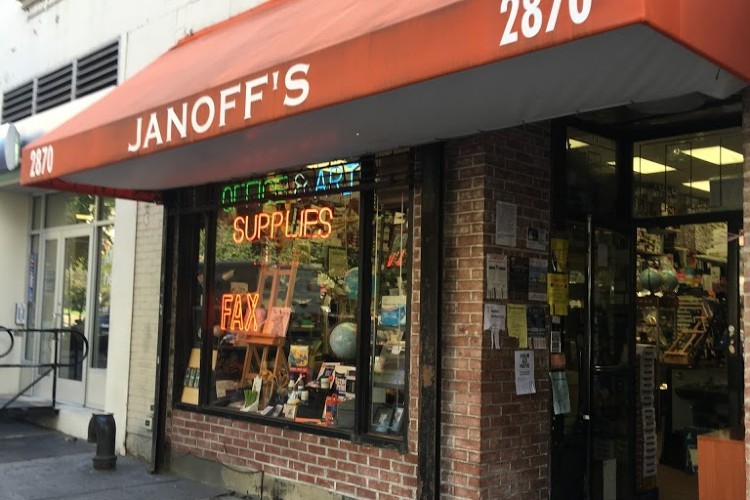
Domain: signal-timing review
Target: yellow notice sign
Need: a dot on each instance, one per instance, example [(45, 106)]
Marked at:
[(517, 324), (559, 249), (557, 293)]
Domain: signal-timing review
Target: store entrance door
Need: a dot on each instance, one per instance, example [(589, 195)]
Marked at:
[(687, 313), (592, 445), (65, 304)]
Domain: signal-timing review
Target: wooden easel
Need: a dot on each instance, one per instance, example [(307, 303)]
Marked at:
[(260, 345)]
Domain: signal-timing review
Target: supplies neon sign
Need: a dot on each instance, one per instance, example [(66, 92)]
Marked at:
[(308, 223)]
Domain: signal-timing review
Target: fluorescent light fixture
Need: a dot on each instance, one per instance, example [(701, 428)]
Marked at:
[(699, 185), (644, 166), (575, 144), (612, 162), (718, 155)]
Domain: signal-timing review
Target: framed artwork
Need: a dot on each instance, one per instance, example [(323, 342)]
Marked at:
[(398, 418), (278, 321), (381, 420)]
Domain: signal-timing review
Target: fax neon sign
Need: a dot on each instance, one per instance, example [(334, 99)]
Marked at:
[(318, 178), (308, 223), (238, 312)]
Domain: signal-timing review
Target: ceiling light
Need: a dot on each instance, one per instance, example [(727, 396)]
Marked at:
[(718, 155), (575, 144), (644, 166), (699, 185)]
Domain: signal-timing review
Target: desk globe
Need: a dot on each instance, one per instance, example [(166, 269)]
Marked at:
[(343, 340)]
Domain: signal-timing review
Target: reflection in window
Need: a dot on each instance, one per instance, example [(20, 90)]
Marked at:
[(592, 186), (279, 319), (63, 209), (74, 286), (106, 209), (688, 174), (388, 360), (100, 339), (285, 309)]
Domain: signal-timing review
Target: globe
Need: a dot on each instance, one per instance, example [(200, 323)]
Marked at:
[(669, 280), (343, 340), (351, 283), (650, 280)]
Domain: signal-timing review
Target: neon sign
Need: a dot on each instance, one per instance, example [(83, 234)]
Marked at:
[(329, 176), (308, 223), (238, 312)]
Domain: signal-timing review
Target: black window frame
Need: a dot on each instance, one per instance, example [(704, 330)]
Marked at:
[(201, 204)]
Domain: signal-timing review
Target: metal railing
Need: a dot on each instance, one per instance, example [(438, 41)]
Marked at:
[(51, 367)]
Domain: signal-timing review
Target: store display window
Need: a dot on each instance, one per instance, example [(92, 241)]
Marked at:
[(307, 281), (688, 174)]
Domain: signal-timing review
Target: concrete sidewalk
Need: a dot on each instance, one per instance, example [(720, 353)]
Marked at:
[(38, 463)]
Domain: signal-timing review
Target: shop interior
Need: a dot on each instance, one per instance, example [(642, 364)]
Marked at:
[(662, 362)]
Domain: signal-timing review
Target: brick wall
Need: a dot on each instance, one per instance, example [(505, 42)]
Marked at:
[(148, 248), (494, 443)]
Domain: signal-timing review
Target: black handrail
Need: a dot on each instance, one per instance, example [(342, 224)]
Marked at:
[(12, 341), (51, 367)]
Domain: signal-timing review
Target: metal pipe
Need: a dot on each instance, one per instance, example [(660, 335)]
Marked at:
[(102, 430)]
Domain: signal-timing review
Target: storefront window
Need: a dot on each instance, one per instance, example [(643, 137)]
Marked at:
[(284, 334), (391, 285), (688, 174), (286, 304), (63, 209), (100, 340), (106, 209)]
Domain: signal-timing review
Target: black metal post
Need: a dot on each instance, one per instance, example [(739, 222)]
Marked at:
[(430, 322)]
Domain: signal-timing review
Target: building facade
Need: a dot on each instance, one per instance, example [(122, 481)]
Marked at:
[(59, 58), (460, 249)]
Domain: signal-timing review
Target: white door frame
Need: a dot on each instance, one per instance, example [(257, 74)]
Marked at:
[(70, 391)]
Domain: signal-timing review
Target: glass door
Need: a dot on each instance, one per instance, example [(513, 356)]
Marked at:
[(64, 301), (592, 444)]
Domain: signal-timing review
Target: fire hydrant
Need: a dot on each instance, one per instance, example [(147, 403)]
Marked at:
[(102, 430)]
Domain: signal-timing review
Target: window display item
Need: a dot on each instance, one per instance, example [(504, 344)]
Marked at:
[(393, 311), (331, 411), (651, 280), (351, 283), (343, 341)]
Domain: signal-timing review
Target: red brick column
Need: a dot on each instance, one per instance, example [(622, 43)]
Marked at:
[(494, 444)]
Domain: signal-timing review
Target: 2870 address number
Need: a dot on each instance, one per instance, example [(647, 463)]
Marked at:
[(532, 19), (42, 161)]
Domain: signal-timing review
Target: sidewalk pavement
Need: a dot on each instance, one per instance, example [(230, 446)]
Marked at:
[(38, 463)]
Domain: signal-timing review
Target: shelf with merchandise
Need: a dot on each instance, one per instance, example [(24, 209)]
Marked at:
[(389, 369)]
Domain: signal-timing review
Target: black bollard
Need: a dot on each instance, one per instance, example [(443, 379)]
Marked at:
[(102, 430)]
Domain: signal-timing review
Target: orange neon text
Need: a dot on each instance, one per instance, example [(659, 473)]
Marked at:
[(238, 312), (306, 224)]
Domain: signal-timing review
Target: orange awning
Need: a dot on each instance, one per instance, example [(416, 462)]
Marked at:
[(297, 81)]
